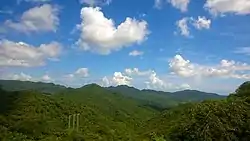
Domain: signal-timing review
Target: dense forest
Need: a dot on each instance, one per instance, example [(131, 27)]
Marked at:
[(40, 111)]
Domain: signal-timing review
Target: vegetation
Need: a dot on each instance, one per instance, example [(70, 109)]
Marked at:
[(106, 115), (161, 100), (47, 88), (224, 120)]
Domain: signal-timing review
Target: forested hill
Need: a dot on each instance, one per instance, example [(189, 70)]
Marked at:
[(223, 120), (160, 99), (155, 99), (106, 115), (15, 85), (30, 115)]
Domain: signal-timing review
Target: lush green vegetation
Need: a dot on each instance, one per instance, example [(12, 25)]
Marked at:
[(48, 88), (161, 100), (224, 120), (111, 114)]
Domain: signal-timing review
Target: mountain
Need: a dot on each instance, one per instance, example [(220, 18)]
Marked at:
[(16, 85), (157, 100), (161, 100), (204, 120), (194, 95), (104, 115)]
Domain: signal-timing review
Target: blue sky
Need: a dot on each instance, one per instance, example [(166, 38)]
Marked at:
[(166, 45)]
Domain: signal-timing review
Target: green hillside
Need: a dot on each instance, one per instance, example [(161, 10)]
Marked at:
[(108, 115), (15, 85), (28, 115), (161, 100), (223, 120)]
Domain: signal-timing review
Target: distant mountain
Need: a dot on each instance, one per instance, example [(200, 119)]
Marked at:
[(155, 99), (16, 85), (164, 99), (194, 95)]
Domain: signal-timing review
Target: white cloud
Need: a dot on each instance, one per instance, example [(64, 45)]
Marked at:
[(136, 53), (156, 83), (136, 71), (147, 79), (182, 26), (96, 2), (202, 22), (24, 55), (40, 18), (82, 72), (180, 4), (120, 79), (46, 78), (99, 34), (221, 7), (243, 50), (21, 76), (105, 82), (228, 69), (79, 73)]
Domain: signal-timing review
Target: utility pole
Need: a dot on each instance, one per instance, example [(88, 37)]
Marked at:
[(76, 121), (78, 116), (69, 120)]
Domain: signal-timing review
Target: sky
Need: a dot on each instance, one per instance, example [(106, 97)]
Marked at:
[(166, 45)]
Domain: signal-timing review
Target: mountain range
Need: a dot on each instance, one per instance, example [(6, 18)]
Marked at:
[(40, 111), (155, 99)]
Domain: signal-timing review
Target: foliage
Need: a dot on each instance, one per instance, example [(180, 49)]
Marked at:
[(108, 115), (225, 120), (161, 100), (47, 88)]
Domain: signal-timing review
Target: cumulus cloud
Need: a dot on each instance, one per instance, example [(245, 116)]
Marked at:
[(40, 18), (136, 71), (105, 82), (226, 68), (95, 2), (46, 78), (183, 25), (79, 73), (82, 72), (180, 4), (120, 79), (156, 83), (148, 78), (202, 22), (100, 35), (21, 54), (221, 7), (136, 53), (22, 76)]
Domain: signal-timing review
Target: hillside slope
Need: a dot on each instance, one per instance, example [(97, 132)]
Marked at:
[(29, 115), (15, 85), (161, 100), (225, 120)]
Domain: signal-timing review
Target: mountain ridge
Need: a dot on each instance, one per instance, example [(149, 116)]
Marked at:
[(65, 87)]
